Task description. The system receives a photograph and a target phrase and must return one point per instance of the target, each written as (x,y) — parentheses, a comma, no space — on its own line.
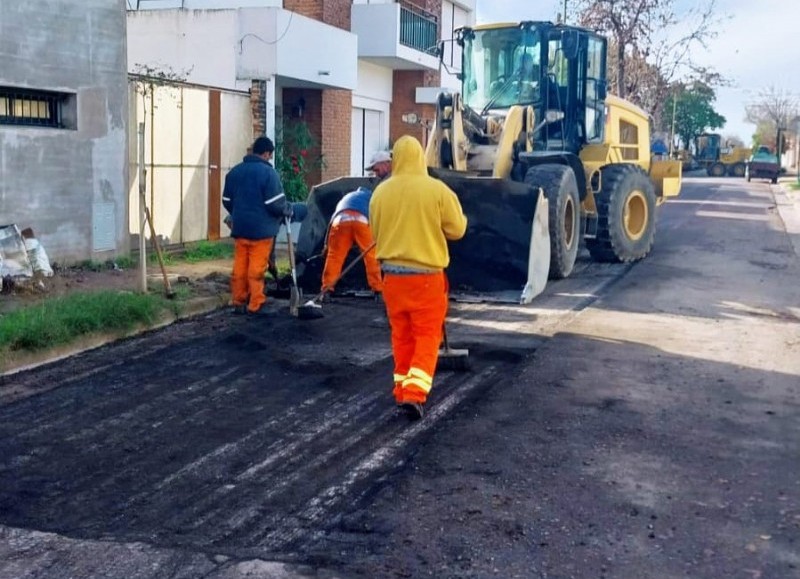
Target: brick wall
(333,12)
(258,107)
(337,114)
(404,97)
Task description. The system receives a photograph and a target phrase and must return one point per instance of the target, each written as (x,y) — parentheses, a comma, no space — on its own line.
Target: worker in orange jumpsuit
(350,224)
(412,217)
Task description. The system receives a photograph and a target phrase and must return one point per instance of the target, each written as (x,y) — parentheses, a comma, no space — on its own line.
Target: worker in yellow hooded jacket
(412,217)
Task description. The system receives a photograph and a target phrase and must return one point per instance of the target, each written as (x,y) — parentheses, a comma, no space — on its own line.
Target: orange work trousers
(250,260)
(344,232)
(416,305)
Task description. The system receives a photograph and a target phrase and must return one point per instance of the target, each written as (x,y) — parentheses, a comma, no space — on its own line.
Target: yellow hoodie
(413,215)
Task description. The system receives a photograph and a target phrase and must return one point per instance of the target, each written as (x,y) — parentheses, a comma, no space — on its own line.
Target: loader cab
(707,147)
(552,68)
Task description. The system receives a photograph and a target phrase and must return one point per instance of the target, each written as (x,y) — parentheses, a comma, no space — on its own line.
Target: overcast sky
(758,46)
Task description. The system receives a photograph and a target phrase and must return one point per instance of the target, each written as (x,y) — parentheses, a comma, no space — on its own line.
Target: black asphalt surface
(634,421)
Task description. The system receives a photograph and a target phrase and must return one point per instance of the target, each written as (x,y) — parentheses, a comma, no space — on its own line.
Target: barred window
(31,107)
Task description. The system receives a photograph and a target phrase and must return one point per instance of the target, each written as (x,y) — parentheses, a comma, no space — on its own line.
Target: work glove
(299,211)
(228,221)
(288,210)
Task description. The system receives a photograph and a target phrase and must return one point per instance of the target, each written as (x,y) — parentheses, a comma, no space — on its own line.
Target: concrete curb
(787,202)
(28,361)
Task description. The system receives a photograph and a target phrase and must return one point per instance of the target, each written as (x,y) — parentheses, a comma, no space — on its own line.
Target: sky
(758,46)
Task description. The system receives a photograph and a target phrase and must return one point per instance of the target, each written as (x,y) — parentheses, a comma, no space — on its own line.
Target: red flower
(303,153)
(296,170)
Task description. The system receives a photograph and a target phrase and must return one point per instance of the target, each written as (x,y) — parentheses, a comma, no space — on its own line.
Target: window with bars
(38,108)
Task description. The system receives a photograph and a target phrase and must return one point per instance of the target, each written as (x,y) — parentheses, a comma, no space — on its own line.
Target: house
(356,74)
(63,125)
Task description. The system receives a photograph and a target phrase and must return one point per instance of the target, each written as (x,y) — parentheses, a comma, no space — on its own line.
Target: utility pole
(565,11)
(672,132)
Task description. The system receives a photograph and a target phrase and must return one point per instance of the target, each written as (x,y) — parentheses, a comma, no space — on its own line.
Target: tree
(773,109)
(650,45)
(694,110)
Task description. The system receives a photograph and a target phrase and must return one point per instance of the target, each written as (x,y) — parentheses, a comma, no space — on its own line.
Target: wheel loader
(540,156)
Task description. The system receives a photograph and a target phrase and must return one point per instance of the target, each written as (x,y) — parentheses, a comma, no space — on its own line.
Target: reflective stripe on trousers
(416,305)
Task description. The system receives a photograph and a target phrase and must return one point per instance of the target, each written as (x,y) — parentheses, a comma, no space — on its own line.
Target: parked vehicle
(763,165)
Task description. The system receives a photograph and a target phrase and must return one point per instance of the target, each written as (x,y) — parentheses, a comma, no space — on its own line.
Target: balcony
(397,36)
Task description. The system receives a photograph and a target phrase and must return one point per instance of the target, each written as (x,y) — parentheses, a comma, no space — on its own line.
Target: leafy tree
(694,110)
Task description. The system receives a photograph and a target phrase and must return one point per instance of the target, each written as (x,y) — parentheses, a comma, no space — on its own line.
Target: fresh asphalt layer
(634,421)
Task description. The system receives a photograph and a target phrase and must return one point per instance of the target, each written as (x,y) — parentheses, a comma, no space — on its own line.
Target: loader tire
(561,189)
(626,211)
(716,170)
(737,170)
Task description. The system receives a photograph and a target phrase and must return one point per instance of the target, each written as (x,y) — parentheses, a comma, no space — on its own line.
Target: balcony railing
(418,29)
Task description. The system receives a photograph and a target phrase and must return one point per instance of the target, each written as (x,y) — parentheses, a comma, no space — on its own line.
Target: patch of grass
(208,250)
(61,320)
(152,258)
(126,262)
(794,186)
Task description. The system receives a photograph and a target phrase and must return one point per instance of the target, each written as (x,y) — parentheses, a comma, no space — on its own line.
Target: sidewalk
(787,201)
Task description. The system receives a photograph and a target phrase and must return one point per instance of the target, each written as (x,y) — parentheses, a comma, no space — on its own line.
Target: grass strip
(61,320)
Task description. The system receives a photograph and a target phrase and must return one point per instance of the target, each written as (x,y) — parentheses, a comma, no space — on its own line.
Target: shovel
(312,310)
(294,294)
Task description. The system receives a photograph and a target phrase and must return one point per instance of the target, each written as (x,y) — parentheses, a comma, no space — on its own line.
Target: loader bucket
(507,244)
(506,247)
(666,176)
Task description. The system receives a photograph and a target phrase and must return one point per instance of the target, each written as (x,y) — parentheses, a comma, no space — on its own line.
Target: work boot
(414,410)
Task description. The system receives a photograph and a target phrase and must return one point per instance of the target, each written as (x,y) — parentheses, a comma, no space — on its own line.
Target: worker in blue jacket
(254,198)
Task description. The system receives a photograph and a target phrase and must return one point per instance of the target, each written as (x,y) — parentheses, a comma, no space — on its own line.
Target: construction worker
(350,224)
(254,198)
(380,165)
(412,217)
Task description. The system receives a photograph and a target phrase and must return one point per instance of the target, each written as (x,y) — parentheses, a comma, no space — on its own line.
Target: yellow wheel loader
(540,157)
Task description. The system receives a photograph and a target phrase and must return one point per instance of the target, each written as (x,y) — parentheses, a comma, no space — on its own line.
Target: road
(635,421)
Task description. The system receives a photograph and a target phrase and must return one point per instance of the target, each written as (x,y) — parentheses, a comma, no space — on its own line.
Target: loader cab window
(595,74)
(501,67)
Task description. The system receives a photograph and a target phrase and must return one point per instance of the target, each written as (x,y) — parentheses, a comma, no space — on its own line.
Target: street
(635,421)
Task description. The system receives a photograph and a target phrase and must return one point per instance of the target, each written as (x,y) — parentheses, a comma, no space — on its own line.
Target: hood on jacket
(408,158)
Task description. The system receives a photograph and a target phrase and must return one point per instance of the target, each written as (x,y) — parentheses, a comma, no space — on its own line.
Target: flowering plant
(296,155)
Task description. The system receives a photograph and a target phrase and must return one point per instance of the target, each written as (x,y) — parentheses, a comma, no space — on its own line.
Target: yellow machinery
(717,160)
(540,157)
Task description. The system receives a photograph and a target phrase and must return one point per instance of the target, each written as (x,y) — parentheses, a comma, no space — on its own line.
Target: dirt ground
(204,278)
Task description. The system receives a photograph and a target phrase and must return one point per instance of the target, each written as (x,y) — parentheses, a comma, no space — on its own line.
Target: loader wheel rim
(569,222)
(635,215)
